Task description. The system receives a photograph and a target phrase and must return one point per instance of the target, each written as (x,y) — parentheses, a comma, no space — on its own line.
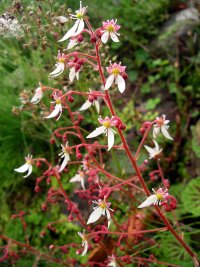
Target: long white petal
(80,27)
(109,81)
(156,149)
(85,249)
(60,68)
(97,132)
(111,138)
(29,171)
(54,113)
(95,215)
(104,37)
(149,201)
(114,37)
(71,44)
(108,217)
(72,74)
(121,83)
(64,163)
(76,178)
(156,131)
(165,132)
(70,32)
(96,102)
(23,168)
(37,97)
(83,183)
(150,150)
(86,105)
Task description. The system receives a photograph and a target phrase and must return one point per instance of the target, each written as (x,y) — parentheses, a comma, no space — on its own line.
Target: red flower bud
(93,39)
(70,98)
(80,38)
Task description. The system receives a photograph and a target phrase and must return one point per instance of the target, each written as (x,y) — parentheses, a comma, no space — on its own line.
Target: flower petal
(83,183)
(80,27)
(70,32)
(86,105)
(96,102)
(59,69)
(149,201)
(150,150)
(104,37)
(165,132)
(95,215)
(55,112)
(30,169)
(72,43)
(114,37)
(111,138)
(76,178)
(85,249)
(97,132)
(109,81)
(64,163)
(121,83)
(37,96)
(108,217)
(72,74)
(23,168)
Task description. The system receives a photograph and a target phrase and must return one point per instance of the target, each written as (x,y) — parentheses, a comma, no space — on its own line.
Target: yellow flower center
(115,71)
(58,102)
(159,196)
(79,15)
(103,205)
(106,124)
(61,60)
(28,161)
(110,28)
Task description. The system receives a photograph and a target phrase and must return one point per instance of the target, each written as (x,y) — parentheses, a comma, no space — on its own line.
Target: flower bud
(37,189)
(93,39)
(80,38)
(79,156)
(122,127)
(70,98)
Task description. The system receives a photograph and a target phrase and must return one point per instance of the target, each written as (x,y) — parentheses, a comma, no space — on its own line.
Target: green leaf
(191,197)
(152,103)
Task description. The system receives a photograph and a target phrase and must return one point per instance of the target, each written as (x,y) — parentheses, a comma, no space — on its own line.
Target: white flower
(102,208)
(116,72)
(57,109)
(84,243)
(106,129)
(65,155)
(26,167)
(112,261)
(79,177)
(60,66)
(155,199)
(153,152)
(92,100)
(79,24)
(37,96)
(110,28)
(161,126)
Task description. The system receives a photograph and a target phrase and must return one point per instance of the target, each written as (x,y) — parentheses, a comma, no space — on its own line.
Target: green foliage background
(163,78)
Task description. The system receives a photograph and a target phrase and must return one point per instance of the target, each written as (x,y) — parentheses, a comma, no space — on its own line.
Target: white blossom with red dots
(37,95)
(78,25)
(154,152)
(106,129)
(27,167)
(84,243)
(110,29)
(155,199)
(60,66)
(57,111)
(116,72)
(79,177)
(103,208)
(65,156)
(161,126)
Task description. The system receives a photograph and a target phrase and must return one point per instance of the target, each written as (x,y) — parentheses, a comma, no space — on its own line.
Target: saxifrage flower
(116,72)
(27,167)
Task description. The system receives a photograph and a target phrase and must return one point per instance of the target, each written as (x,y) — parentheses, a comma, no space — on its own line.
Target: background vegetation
(162,59)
